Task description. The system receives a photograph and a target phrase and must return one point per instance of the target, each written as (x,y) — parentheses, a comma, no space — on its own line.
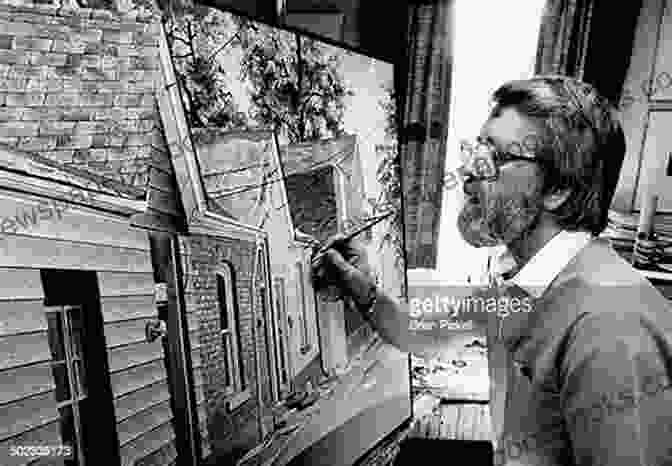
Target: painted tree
(295,84)
(198,36)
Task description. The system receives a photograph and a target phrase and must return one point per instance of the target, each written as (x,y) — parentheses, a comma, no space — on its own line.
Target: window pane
(80,374)
(67,425)
(221,291)
(279,313)
(303,321)
(55,335)
(225,358)
(77,329)
(60,372)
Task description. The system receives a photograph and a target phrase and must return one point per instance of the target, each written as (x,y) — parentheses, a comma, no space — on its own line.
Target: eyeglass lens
(478,160)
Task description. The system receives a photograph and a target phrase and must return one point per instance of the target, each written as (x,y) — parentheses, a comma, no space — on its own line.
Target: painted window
(281,325)
(66,335)
(304,301)
(234,380)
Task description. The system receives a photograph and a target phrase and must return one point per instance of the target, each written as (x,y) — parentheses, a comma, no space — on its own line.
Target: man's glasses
(481,161)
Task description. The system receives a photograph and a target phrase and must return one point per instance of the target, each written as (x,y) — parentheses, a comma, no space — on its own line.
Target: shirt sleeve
(608,413)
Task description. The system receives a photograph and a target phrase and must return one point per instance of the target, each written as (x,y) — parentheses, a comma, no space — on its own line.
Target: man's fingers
(337,259)
(336,241)
(326,260)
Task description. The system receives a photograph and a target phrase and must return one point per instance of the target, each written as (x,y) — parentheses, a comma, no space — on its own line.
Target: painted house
(102,188)
(325,190)
(81,95)
(220,292)
(79,127)
(298,194)
(243,173)
(77,293)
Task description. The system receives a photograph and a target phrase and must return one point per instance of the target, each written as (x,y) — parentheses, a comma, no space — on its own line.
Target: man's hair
(581,144)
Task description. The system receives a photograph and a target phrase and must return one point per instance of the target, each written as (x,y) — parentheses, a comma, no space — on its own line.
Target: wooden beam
(176,348)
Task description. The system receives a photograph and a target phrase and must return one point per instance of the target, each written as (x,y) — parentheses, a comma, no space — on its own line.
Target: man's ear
(554,200)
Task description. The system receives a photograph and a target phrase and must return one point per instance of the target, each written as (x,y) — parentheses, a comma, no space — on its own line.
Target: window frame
(76,384)
(284,341)
(238,390)
(305,344)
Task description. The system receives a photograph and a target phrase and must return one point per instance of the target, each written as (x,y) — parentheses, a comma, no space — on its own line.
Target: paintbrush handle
(321,249)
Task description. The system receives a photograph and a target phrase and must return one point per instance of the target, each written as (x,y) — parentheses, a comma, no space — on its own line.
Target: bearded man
(584,376)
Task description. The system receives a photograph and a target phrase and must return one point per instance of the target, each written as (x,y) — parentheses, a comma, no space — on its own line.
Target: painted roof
(301,158)
(34,164)
(310,170)
(240,172)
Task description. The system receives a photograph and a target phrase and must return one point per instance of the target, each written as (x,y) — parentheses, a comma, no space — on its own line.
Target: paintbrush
(329,291)
(320,248)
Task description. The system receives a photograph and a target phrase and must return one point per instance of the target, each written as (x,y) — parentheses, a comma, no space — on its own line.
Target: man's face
(502,211)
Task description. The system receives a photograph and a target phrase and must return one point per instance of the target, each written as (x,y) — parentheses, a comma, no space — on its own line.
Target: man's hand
(340,268)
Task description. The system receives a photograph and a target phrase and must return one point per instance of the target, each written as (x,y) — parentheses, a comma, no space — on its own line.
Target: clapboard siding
(45,435)
(70,223)
(22,316)
(165,455)
(27,413)
(146,444)
(137,377)
(20,283)
(26,251)
(128,405)
(121,308)
(138,373)
(125,284)
(132,379)
(25,381)
(144,421)
(133,355)
(125,332)
(17,350)
(129,332)
(81,239)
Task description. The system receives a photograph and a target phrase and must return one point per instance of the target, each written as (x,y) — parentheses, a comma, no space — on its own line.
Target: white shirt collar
(536,276)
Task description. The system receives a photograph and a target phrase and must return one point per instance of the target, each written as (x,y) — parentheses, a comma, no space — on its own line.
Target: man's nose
(469,180)
(470,187)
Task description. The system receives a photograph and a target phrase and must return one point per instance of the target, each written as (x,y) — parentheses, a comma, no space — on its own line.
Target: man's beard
(495,218)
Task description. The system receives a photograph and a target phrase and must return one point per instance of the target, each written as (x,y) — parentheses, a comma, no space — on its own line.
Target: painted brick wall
(76,85)
(229,434)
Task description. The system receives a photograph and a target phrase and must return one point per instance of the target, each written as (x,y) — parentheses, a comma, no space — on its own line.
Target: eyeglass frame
(498,158)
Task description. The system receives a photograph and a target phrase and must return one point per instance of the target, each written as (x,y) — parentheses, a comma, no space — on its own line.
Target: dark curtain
(590,40)
(423,84)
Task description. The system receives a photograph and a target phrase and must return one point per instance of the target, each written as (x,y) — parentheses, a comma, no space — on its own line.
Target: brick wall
(76,85)
(229,434)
